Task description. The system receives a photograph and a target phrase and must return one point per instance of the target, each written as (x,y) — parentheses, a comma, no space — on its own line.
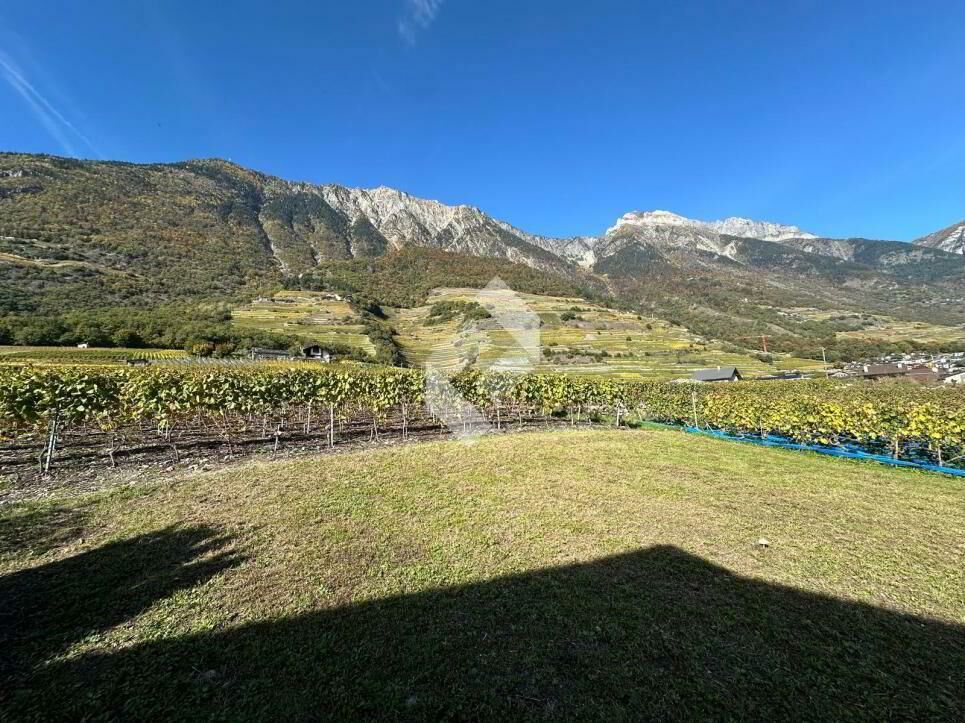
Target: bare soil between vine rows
(82,464)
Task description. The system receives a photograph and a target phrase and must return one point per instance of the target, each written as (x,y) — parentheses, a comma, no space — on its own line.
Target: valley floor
(567,574)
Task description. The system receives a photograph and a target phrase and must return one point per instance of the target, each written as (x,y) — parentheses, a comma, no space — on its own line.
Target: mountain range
(87,233)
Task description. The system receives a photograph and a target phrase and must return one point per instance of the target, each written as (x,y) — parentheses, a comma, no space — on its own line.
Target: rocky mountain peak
(732,226)
(652,218)
(951,239)
(748,228)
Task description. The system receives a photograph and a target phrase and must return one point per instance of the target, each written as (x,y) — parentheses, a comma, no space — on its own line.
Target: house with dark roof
(916,373)
(720,374)
(878,371)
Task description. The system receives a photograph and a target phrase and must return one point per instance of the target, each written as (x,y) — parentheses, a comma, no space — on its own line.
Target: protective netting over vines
(124,407)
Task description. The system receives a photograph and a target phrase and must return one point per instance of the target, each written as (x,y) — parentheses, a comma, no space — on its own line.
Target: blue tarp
(851,451)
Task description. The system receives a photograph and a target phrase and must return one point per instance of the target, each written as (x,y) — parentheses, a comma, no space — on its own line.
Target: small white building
(955,379)
(317,352)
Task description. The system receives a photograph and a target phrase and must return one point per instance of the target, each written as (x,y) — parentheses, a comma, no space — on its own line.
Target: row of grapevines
(231,401)
(900,417)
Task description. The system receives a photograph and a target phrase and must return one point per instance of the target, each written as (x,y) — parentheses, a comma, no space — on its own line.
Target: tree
(200,347)
(39,332)
(125,337)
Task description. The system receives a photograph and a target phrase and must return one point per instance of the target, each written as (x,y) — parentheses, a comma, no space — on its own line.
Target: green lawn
(558,575)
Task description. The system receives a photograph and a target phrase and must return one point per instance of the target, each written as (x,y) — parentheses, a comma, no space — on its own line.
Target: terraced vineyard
(575,337)
(73,355)
(316,317)
(878,327)
(897,330)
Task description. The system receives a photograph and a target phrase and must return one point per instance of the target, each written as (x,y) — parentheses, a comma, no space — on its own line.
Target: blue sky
(845,118)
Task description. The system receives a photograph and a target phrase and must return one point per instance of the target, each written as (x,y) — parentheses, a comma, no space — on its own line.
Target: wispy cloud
(59,127)
(417,15)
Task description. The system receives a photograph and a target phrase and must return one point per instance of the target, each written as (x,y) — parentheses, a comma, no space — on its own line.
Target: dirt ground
(83,465)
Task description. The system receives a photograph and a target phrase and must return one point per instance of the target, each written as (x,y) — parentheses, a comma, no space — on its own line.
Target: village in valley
(918,368)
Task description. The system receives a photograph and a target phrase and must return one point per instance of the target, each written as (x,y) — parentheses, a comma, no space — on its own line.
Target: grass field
(584,574)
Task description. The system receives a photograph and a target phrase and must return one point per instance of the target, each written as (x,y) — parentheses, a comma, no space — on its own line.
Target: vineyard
(102,413)
(93,356)
(575,337)
(313,317)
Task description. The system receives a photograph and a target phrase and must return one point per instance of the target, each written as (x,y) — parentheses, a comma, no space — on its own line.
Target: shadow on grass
(654,633)
(44,609)
(40,529)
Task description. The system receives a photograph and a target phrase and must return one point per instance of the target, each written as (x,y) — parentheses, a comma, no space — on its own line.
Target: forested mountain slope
(87,235)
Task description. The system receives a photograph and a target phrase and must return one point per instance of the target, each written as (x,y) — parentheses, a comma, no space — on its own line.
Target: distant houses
(914,366)
(317,352)
(918,370)
(915,373)
(720,374)
(947,368)
(880,371)
(312,352)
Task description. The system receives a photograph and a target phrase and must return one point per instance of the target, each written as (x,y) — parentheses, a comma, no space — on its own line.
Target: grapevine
(163,405)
